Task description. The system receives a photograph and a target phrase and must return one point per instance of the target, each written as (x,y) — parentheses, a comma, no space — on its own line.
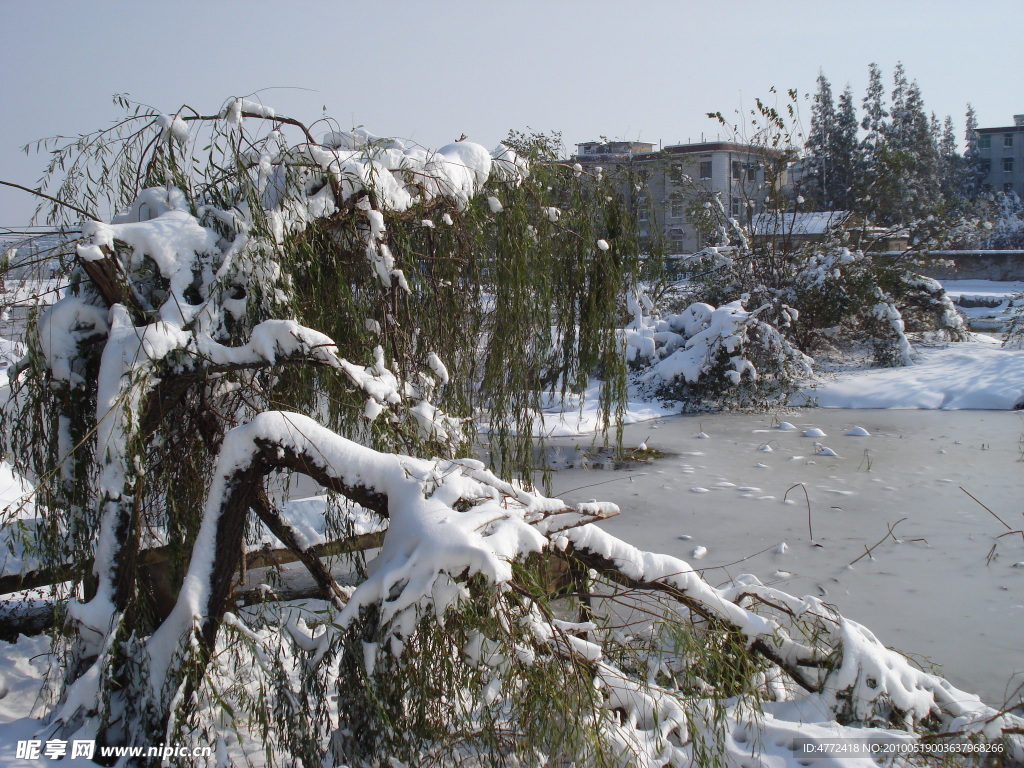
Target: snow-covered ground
(978,374)
(579,415)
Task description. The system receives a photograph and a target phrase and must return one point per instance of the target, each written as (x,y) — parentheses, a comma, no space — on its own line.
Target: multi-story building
(1001,151)
(678,177)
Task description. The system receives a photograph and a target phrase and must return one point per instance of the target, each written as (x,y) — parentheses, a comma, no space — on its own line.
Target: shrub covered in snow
(817,295)
(706,357)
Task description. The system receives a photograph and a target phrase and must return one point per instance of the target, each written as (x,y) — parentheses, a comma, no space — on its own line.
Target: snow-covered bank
(580,415)
(987,304)
(978,374)
(989,289)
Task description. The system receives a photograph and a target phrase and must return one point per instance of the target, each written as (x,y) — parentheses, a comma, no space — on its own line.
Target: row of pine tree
(893,164)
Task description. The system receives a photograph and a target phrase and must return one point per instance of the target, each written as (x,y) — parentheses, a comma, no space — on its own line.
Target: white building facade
(679,177)
(1001,151)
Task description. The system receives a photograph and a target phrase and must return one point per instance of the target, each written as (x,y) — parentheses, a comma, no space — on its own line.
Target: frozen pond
(940,593)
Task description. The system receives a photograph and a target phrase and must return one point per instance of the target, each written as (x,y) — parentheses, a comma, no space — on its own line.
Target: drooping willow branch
(70,206)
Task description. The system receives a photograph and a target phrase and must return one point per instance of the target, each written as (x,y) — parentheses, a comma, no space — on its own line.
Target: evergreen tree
(818,180)
(872,145)
(907,163)
(899,121)
(971,175)
(874,106)
(951,165)
(846,154)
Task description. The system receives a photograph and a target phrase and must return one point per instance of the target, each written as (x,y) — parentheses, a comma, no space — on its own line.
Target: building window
(737,207)
(1007,139)
(677,208)
(984,142)
(1008,187)
(752,170)
(986,167)
(737,170)
(675,237)
(1007,165)
(705,169)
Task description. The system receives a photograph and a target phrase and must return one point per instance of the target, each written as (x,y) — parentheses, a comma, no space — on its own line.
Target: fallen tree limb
(261,558)
(26,617)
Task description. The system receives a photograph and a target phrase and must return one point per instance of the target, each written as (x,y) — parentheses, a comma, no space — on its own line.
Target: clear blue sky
(431,71)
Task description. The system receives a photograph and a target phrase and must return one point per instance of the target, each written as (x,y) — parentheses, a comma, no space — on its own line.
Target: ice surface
(931,594)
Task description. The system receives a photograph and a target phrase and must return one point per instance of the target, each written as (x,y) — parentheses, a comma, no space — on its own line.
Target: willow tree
(271,303)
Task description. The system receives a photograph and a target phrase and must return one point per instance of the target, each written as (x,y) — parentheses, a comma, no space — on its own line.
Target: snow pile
(988,305)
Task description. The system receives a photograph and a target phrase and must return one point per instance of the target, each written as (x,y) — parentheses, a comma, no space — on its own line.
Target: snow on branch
(429,542)
(840,660)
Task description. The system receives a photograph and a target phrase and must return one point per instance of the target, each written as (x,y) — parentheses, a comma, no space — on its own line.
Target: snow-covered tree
(875,113)
(267,302)
(951,164)
(1007,231)
(803,277)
